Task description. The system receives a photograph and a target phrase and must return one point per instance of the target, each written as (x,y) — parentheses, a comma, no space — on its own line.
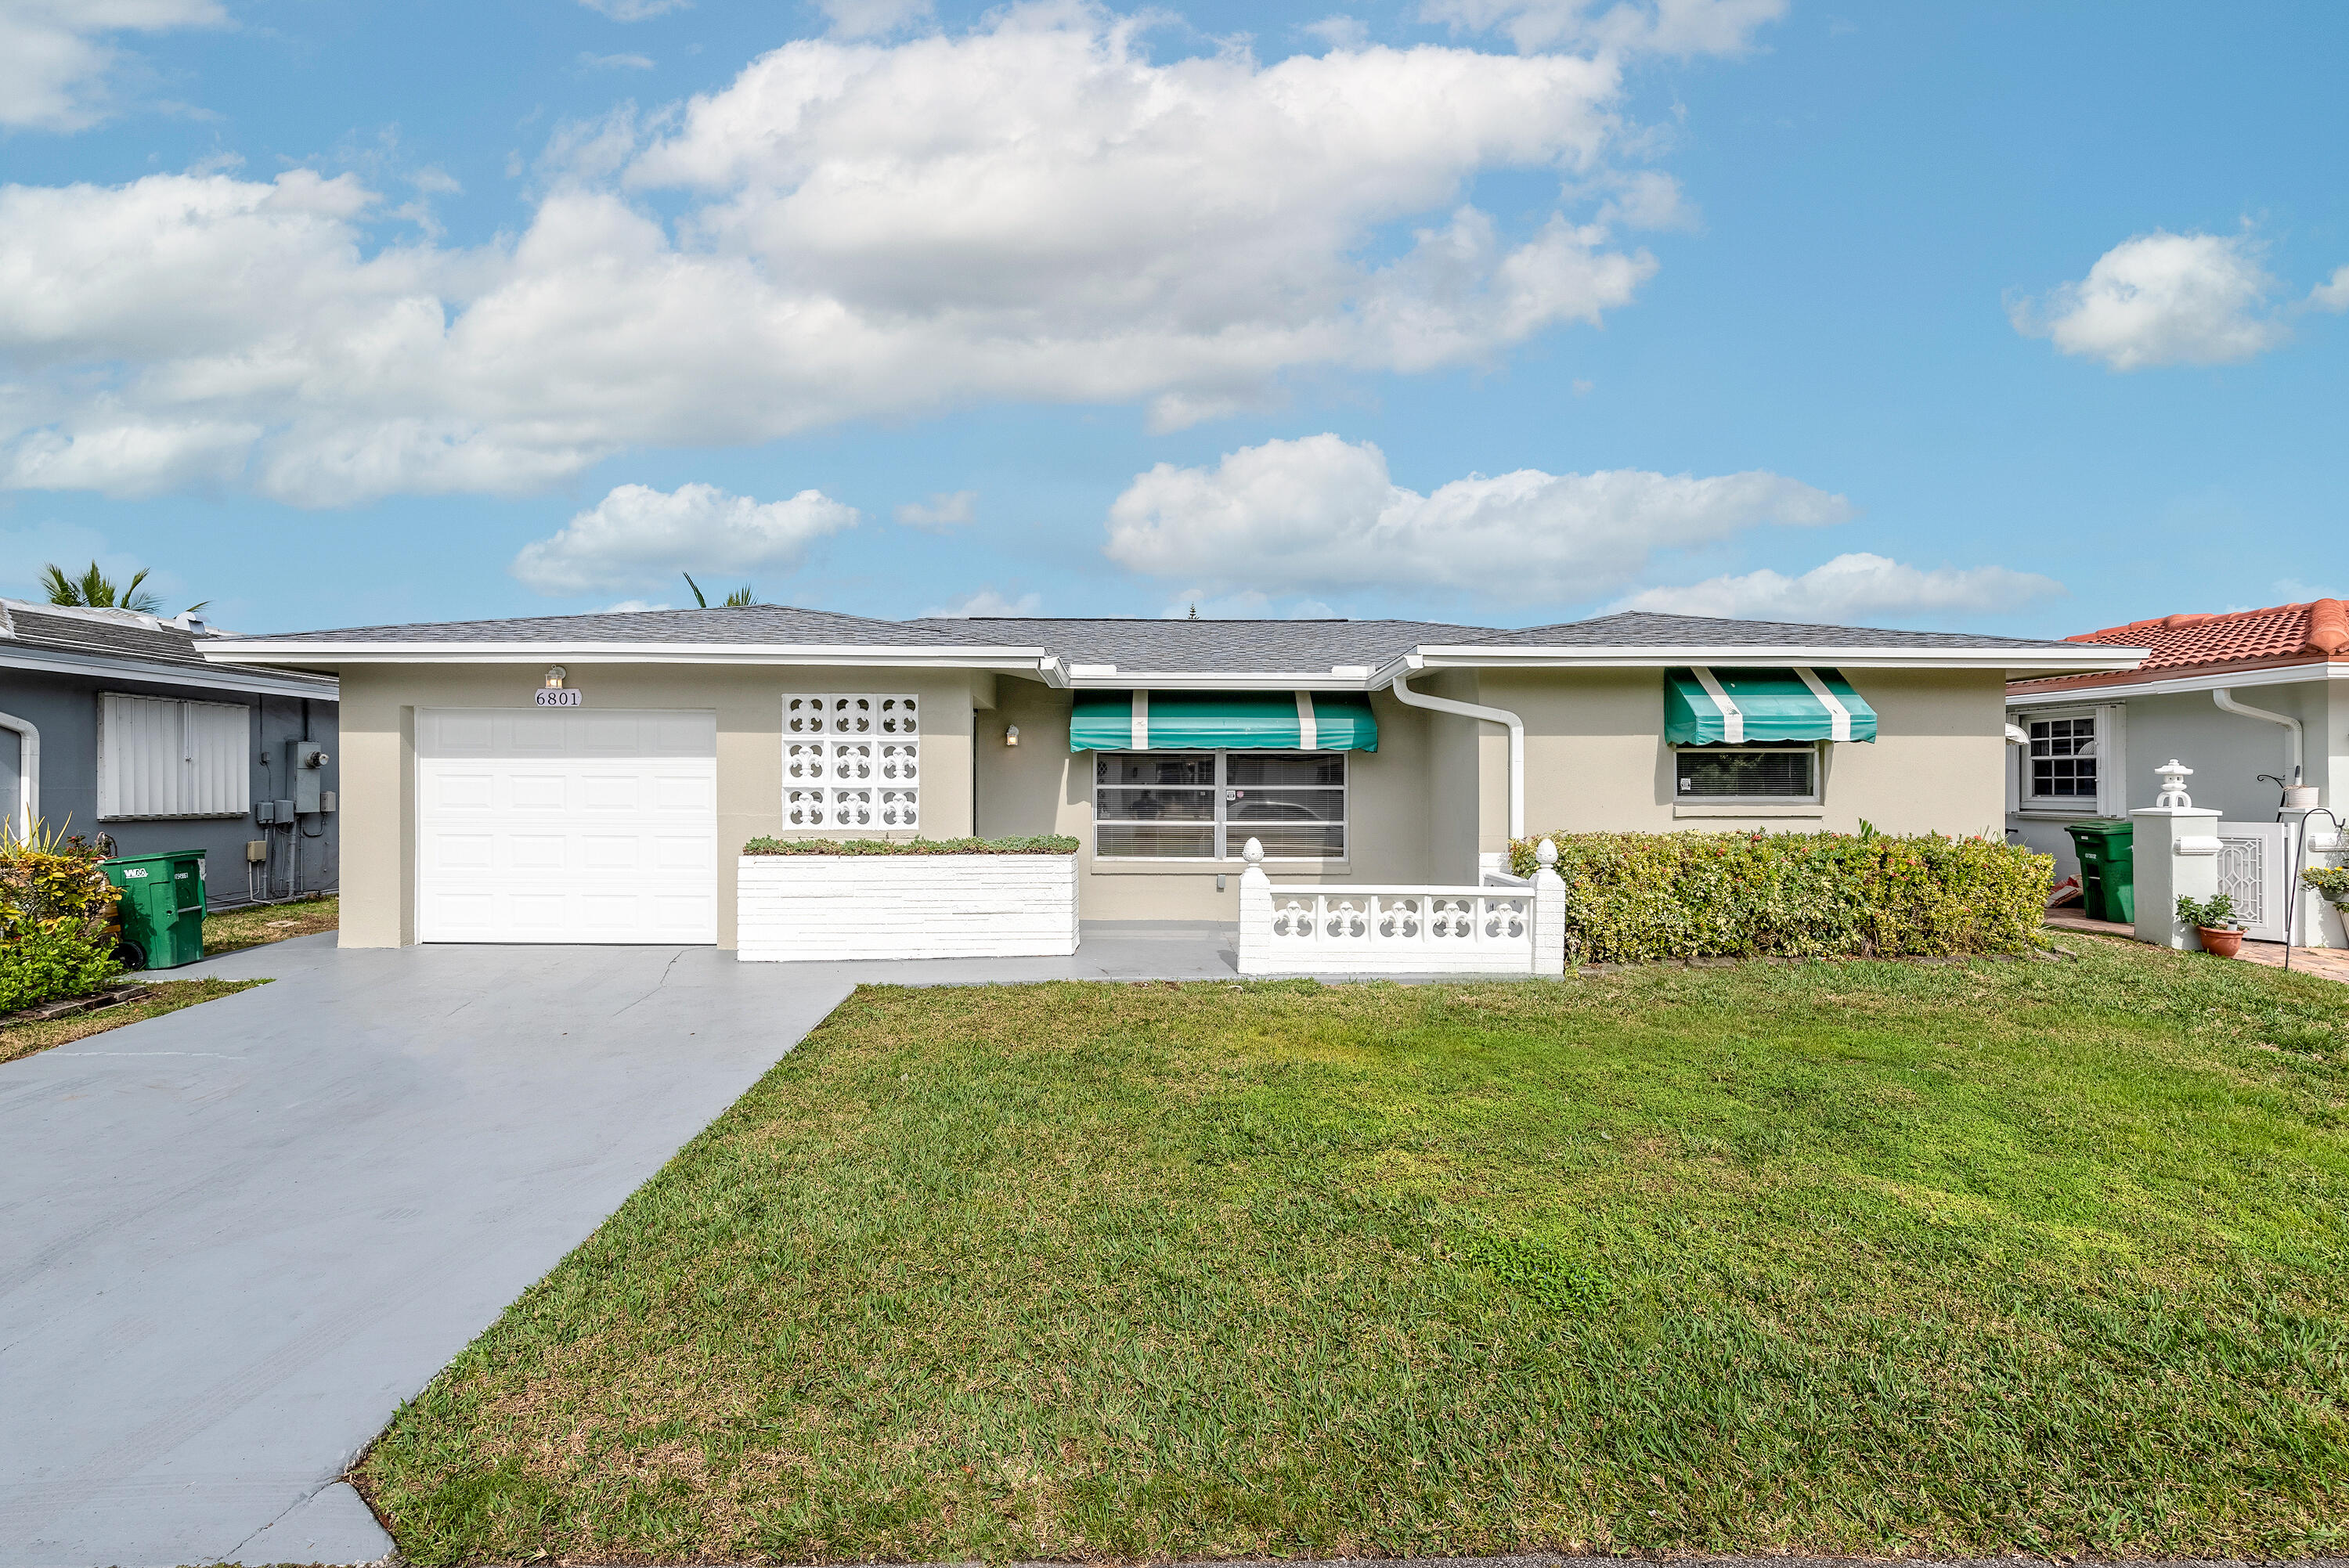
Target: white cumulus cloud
(1036,209)
(2162,299)
(988,601)
(55,57)
(940,513)
(1853,588)
(1663,27)
(2333,295)
(639,536)
(1321,514)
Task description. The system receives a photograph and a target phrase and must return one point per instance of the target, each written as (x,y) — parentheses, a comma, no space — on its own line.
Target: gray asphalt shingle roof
(1635,629)
(1149,645)
(128,637)
(1173,646)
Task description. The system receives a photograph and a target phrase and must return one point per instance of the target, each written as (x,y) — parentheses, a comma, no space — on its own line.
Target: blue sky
(2021,319)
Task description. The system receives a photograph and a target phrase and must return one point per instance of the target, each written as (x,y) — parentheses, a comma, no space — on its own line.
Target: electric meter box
(306,768)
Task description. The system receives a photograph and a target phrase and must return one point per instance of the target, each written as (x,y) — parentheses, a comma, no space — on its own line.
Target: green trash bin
(2107,849)
(163,908)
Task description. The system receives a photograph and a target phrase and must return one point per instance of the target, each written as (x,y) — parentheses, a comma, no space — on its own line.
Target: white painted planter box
(822,908)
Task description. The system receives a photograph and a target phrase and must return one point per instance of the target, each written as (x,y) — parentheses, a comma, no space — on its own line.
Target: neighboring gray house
(112,722)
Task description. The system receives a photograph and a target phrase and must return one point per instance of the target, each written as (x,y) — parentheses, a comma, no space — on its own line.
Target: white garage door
(566,825)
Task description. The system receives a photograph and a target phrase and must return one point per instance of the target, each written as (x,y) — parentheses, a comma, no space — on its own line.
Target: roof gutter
(2225,700)
(1404,694)
(2017,663)
(290,651)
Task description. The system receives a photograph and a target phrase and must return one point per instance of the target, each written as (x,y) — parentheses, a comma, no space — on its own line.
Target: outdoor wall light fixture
(554,678)
(1010,735)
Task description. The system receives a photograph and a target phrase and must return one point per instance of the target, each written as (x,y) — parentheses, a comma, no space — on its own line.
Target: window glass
(1249,769)
(1712,772)
(1141,842)
(1155,805)
(1154,767)
(1205,805)
(2064,758)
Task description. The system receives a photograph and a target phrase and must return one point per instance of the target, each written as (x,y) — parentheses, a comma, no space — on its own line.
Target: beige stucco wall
(1040,787)
(378,758)
(1596,759)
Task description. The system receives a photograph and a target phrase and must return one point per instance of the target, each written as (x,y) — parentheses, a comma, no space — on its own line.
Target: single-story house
(114,722)
(591,777)
(2245,698)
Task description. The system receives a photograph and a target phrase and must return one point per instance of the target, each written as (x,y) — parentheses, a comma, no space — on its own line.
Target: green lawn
(226,931)
(1848,1257)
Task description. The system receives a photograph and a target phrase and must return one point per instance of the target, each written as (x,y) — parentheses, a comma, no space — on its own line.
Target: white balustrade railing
(1358,930)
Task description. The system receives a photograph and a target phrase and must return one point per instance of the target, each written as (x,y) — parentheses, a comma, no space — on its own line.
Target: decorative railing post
(1549,913)
(1255,954)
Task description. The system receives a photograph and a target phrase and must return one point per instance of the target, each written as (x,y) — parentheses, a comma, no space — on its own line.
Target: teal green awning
(1705,706)
(1223,721)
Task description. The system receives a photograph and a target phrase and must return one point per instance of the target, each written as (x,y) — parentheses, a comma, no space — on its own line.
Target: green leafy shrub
(57,911)
(1049,844)
(2214,913)
(1635,898)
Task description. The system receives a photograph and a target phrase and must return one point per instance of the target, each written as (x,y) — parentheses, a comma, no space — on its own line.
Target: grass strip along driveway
(1842,1257)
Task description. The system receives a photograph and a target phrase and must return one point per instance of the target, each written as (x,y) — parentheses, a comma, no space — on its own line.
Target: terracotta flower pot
(2219,944)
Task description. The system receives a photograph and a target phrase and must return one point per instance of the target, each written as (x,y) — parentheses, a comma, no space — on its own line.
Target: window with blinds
(162,757)
(1788,773)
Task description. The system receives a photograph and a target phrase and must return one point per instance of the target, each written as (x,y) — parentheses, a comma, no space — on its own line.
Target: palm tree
(734,601)
(92,590)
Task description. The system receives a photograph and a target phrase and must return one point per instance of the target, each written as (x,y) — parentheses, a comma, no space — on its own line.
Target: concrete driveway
(235,1238)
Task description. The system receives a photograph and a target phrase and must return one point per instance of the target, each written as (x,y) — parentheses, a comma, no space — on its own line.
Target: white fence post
(1549,914)
(1256,914)
(2176,848)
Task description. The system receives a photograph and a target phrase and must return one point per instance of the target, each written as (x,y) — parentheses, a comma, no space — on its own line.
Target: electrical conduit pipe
(1404,694)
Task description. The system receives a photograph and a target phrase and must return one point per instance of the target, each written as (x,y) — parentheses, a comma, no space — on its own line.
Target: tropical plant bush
(1635,898)
(1049,844)
(57,911)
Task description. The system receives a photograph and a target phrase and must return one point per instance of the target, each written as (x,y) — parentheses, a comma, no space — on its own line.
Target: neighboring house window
(852,761)
(1207,805)
(161,756)
(2063,761)
(1746,773)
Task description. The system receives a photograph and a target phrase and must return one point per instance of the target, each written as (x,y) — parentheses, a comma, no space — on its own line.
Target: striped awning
(1222,721)
(1706,706)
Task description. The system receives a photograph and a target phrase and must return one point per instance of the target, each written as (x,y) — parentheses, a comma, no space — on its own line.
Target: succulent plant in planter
(2213,920)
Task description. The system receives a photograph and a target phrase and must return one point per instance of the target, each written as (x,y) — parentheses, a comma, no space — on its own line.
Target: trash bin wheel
(133,955)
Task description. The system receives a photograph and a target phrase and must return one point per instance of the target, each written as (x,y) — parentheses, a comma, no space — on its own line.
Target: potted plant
(2213,920)
(2332,884)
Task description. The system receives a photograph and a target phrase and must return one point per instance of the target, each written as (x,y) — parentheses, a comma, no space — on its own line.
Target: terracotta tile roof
(2279,635)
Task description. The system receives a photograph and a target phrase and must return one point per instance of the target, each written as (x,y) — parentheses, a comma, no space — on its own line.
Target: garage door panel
(543,827)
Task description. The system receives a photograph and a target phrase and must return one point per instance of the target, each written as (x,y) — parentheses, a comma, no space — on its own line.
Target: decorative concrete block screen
(1355,930)
(811,908)
(852,761)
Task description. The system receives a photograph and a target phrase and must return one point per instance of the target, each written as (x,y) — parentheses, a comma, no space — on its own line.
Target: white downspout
(1404,694)
(2226,699)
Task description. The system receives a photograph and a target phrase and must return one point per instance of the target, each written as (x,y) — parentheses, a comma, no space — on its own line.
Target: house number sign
(565,698)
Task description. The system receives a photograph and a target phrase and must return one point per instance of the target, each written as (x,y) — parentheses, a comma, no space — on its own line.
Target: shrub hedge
(1639,897)
(55,913)
(1049,844)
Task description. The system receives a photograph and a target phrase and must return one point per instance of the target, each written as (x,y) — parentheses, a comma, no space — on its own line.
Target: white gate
(2254,863)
